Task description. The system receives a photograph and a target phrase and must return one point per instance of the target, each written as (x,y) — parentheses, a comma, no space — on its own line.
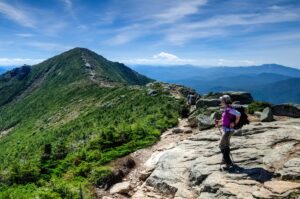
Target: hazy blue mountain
(238,82)
(168,73)
(171,73)
(265,82)
(4,69)
(278,92)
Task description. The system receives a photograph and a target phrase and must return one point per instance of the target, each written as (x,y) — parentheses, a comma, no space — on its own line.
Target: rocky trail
(145,161)
(185,163)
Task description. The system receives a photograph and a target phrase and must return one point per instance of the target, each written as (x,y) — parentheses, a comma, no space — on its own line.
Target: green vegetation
(257,106)
(59,130)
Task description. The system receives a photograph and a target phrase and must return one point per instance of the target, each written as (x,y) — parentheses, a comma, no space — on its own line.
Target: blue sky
(156,32)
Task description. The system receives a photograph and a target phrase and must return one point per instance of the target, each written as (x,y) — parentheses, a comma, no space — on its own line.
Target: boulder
(192,122)
(291,110)
(216,116)
(267,115)
(177,130)
(241,97)
(128,163)
(238,97)
(258,114)
(151,92)
(205,122)
(117,175)
(185,91)
(207,103)
(122,187)
(163,187)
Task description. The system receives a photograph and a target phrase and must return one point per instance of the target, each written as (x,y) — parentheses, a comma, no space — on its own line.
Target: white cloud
(180,10)
(219,25)
(231,62)
(173,23)
(122,38)
(16,14)
(168,59)
(148,21)
(275,7)
(167,56)
(161,58)
(19,61)
(126,34)
(25,35)
(68,4)
(49,46)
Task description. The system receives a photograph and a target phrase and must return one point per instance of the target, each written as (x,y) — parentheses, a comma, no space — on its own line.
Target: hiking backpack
(243,119)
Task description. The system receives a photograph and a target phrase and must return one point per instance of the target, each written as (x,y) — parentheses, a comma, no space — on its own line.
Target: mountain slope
(278,92)
(2,70)
(239,82)
(63,120)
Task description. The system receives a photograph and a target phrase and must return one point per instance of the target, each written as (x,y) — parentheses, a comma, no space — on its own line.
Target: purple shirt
(228,115)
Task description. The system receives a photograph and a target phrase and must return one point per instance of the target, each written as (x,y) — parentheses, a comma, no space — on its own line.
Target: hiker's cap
(226,99)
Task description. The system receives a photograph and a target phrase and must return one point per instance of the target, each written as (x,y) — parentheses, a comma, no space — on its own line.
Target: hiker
(191,99)
(230,118)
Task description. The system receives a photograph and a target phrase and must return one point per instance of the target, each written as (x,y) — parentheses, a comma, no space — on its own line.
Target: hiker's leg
(227,150)
(225,147)
(225,140)
(228,160)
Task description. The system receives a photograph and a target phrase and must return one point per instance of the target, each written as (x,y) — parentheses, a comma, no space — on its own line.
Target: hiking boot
(226,156)
(228,167)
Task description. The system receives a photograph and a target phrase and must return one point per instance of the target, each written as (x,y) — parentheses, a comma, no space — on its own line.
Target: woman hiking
(230,117)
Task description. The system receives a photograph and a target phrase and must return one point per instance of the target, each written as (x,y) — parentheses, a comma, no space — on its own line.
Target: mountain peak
(82,63)
(80,50)
(272,65)
(78,66)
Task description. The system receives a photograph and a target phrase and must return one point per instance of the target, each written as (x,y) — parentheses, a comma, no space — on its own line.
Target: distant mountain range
(269,82)
(3,69)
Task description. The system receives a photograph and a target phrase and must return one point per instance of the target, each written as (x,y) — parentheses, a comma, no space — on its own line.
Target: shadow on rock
(257,173)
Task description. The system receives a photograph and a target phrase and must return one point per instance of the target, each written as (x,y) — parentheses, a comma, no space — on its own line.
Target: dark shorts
(225,138)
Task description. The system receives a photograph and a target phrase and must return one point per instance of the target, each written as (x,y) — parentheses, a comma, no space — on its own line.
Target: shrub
(257,106)
(99,174)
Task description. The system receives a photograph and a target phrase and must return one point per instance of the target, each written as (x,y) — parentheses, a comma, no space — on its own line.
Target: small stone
(145,174)
(106,197)
(177,130)
(187,131)
(122,187)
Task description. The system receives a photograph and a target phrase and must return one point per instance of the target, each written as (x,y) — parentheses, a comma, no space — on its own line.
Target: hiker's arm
(237,117)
